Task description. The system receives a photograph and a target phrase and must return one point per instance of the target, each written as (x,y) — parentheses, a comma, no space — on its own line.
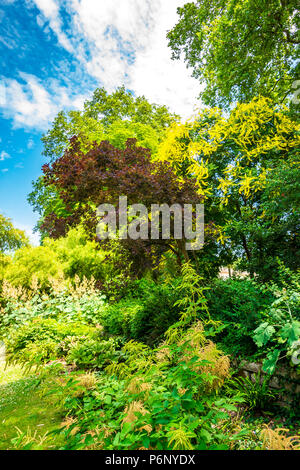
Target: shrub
(28,263)
(73,302)
(119,317)
(278,336)
(239,304)
(39,340)
(144,314)
(93,354)
(74,255)
(159,311)
(79,255)
(143,402)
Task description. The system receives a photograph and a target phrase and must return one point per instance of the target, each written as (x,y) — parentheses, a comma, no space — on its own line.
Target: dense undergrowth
(151,370)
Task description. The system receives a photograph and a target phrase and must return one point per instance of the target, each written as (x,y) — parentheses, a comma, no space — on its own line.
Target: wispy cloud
(113,42)
(4,156)
(50,12)
(30,143)
(33,104)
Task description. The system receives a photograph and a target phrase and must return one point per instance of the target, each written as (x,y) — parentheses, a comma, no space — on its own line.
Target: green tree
(239,48)
(115,117)
(102,175)
(11,238)
(246,165)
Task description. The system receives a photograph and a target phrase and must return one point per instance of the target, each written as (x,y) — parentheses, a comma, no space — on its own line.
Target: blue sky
(54,53)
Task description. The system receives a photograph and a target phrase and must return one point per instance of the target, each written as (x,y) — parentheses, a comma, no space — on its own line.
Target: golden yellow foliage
(215,366)
(132,410)
(84,382)
(255,128)
(138,385)
(276,439)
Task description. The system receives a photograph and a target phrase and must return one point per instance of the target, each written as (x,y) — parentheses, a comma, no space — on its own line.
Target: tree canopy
(114,117)
(11,238)
(246,166)
(85,180)
(239,49)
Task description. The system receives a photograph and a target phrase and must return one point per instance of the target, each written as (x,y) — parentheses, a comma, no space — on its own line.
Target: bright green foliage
(115,116)
(92,354)
(153,412)
(239,49)
(263,333)
(67,258)
(192,296)
(78,255)
(11,238)
(75,303)
(42,340)
(279,335)
(82,257)
(119,318)
(239,162)
(144,314)
(30,263)
(168,397)
(163,398)
(27,416)
(5,261)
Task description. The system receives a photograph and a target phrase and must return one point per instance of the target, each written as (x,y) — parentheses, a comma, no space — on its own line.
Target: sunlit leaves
(239,49)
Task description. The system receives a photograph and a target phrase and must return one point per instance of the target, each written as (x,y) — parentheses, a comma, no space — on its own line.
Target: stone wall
(285,377)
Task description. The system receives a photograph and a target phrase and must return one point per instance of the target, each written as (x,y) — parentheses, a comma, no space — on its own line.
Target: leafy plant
(239,304)
(256,393)
(281,330)
(40,340)
(92,353)
(145,313)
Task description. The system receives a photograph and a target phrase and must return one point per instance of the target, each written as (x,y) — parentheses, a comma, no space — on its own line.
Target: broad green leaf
(263,333)
(269,364)
(290,332)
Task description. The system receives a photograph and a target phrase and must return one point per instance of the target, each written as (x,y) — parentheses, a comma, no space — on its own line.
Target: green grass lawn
(27,414)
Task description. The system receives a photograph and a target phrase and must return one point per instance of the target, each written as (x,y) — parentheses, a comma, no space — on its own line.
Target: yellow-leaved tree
(239,161)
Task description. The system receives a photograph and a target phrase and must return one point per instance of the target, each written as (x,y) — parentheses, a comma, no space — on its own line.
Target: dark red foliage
(106,172)
(102,175)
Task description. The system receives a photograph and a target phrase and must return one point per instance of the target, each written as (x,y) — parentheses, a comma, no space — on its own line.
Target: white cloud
(30,104)
(4,156)
(116,42)
(30,144)
(2,92)
(50,11)
(118,27)
(159,78)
